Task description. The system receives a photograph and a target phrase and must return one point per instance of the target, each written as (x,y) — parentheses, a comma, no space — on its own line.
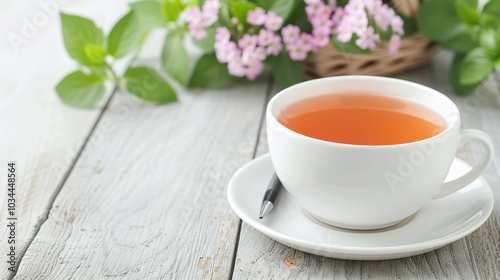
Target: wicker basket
(414,51)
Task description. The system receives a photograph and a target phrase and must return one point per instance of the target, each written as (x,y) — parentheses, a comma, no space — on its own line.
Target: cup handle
(467,135)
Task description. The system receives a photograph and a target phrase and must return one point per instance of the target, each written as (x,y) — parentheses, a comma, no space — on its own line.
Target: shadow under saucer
(390,227)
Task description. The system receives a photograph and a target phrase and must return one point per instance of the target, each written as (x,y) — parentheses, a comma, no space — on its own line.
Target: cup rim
(453,125)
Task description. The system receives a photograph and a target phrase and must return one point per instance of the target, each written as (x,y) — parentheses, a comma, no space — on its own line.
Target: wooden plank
(148,201)
(473,257)
(480,110)
(41,134)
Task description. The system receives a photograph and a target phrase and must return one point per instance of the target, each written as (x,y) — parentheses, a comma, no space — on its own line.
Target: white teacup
(362,186)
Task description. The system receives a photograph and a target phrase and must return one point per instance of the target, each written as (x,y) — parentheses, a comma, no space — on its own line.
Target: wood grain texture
(476,256)
(41,134)
(148,200)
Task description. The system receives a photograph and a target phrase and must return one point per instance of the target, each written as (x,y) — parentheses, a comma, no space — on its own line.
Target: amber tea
(362,119)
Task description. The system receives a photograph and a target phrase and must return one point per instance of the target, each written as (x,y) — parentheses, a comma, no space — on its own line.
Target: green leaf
(462,42)
(342,3)
(209,72)
(172,9)
(207,45)
(384,35)
(286,71)
(492,7)
(174,57)
(192,3)
(266,4)
(299,18)
(146,84)
(497,65)
(349,47)
(80,90)
(489,20)
(240,9)
(124,37)
(460,88)
(475,67)
(489,39)
(438,20)
(78,32)
(95,53)
(471,3)
(409,24)
(466,12)
(283,8)
(149,15)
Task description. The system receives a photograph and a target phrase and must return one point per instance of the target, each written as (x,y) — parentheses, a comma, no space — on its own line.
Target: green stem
(115,77)
(172,26)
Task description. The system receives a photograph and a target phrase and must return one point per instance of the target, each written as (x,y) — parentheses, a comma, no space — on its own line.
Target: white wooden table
(130,190)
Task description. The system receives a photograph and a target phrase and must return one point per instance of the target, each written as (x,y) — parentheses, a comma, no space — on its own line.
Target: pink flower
(250,55)
(254,69)
(209,19)
(397,25)
(394,43)
(225,52)
(344,31)
(296,51)
(368,40)
(359,23)
(210,12)
(260,53)
(198,19)
(322,40)
(307,41)
(312,10)
(337,16)
(222,34)
(275,47)
(273,21)
(248,41)
(324,10)
(265,37)
(245,57)
(321,26)
(374,6)
(211,6)
(355,7)
(257,16)
(236,68)
(382,19)
(290,33)
(197,31)
(194,15)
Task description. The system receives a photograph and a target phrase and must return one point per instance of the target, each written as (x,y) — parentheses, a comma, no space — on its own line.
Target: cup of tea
(363,152)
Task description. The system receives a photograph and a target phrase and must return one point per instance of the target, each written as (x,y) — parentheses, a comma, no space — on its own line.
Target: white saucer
(438,223)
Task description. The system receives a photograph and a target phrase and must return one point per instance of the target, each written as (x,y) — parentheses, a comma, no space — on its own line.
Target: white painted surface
(146,199)
(40,133)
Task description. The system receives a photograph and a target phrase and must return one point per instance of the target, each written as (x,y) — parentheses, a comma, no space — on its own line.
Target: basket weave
(414,51)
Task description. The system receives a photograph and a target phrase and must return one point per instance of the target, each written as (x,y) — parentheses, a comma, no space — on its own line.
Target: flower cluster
(353,19)
(246,49)
(246,56)
(198,19)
